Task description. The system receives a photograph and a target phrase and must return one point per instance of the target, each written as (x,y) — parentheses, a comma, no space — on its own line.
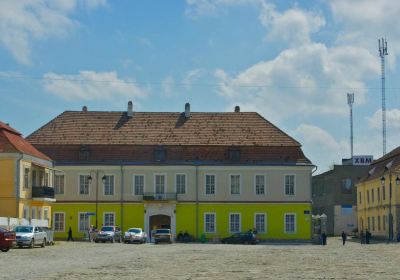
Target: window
(234,222)
(83,222)
(378,193)
(368,196)
(234,155)
(46,179)
(290,223)
(383,193)
(108,184)
(46,213)
(138,182)
(259,223)
(372,195)
(373,223)
(289,185)
(160,184)
(41,178)
(33,213)
(59,221)
(180,183)
(84,153)
(26,212)
(209,222)
(84,184)
(369,223)
(260,184)
(159,154)
(59,184)
(379,222)
(26,178)
(235,184)
(384,222)
(359,194)
(109,219)
(210,184)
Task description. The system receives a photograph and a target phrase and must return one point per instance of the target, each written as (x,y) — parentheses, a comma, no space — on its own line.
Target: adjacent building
(210,174)
(378,197)
(26,178)
(334,194)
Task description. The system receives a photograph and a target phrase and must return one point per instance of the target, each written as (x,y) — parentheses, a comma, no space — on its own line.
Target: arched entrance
(160,221)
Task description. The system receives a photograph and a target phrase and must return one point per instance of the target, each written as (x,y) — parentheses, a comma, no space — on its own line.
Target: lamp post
(90,178)
(390,217)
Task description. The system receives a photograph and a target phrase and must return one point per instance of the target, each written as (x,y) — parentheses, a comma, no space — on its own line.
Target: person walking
(362,240)
(70,235)
(367,236)
(323,238)
(344,237)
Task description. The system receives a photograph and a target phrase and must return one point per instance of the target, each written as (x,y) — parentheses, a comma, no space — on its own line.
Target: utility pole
(350,101)
(382,52)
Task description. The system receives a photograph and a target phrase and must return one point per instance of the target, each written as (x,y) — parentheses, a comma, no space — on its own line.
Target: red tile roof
(11,141)
(113,128)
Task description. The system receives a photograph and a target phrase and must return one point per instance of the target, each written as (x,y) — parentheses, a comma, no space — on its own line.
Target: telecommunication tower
(350,101)
(382,52)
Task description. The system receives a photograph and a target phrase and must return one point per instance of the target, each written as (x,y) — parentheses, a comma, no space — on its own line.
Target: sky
(291,61)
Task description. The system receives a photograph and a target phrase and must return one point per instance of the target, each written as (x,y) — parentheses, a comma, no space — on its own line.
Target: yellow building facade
(378,198)
(26,177)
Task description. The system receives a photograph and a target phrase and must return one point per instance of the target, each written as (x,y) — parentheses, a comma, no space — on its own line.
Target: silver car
(135,235)
(108,233)
(30,236)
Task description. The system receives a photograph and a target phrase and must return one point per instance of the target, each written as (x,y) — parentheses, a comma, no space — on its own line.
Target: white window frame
(87,219)
(205,184)
(205,222)
(26,177)
(104,218)
(26,211)
(230,222)
(54,222)
(295,223)
(294,184)
(155,183)
(255,184)
(134,186)
(63,183)
(113,185)
(230,184)
(79,184)
(265,222)
(33,212)
(176,182)
(46,212)
(46,179)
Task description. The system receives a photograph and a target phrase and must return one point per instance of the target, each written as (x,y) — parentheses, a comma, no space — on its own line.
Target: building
(26,178)
(334,194)
(205,173)
(378,197)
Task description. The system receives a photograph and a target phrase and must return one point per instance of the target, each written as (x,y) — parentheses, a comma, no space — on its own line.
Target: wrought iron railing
(159,196)
(42,192)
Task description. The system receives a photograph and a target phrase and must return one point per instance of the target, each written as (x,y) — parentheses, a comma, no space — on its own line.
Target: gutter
(122,198)
(197,202)
(17,184)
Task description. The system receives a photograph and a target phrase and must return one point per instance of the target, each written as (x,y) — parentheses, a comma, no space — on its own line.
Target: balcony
(42,192)
(160,196)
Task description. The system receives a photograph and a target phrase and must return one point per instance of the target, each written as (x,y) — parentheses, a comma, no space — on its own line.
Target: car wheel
(5,249)
(43,243)
(112,240)
(32,243)
(96,241)
(20,246)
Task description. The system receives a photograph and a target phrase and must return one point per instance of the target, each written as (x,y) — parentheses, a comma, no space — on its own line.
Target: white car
(135,235)
(30,236)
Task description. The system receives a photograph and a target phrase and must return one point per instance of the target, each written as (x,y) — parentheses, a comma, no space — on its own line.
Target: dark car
(7,239)
(240,238)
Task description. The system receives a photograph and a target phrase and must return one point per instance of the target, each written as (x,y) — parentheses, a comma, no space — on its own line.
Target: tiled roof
(11,141)
(391,161)
(145,128)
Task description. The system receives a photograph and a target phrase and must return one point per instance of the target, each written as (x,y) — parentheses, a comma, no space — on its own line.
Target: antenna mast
(350,101)
(382,52)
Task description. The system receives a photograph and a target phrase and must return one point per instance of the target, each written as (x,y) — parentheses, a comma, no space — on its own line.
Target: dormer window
(84,153)
(234,155)
(160,154)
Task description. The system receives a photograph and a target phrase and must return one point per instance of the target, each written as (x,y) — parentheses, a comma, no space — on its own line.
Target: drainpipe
(17,184)
(197,202)
(122,198)
(97,197)
(311,223)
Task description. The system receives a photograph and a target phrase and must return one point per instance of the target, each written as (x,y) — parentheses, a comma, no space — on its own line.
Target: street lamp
(390,217)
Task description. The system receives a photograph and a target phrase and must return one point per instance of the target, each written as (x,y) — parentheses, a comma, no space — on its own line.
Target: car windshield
(23,229)
(134,230)
(162,231)
(107,229)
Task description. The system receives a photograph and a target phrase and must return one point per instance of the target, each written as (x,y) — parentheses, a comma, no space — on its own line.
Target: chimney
(84,109)
(187,110)
(237,109)
(130,110)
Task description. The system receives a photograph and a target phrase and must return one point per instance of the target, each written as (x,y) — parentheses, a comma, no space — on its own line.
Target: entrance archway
(160,221)
(159,215)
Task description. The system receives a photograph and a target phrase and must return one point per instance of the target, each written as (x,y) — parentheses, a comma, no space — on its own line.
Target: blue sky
(291,61)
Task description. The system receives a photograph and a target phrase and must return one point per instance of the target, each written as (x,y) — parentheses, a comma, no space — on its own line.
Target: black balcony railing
(159,196)
(42,192)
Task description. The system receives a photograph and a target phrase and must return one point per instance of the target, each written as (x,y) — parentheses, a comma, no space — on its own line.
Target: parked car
(7,239)
(135,235)
(49,235)
(108,233)
(241,238)
(30,236)
(162,235)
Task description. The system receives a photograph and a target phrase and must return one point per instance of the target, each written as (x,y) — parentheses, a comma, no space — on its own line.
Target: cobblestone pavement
(79,260)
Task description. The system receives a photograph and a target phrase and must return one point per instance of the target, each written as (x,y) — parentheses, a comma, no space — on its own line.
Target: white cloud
(198,8)
(309,80)
(168,85)
(192,76)
(392,119)
(90,85)
(23,21)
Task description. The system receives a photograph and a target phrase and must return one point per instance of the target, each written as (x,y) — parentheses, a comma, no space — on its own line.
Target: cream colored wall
(274,182)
